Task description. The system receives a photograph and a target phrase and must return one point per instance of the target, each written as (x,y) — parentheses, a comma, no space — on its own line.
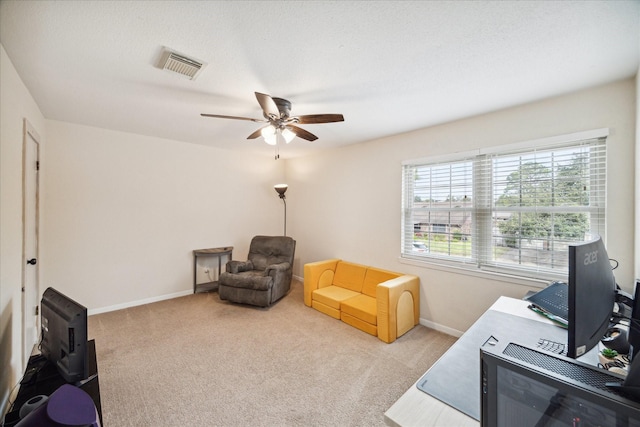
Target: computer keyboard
(553,299)
(557,299)
(552,346)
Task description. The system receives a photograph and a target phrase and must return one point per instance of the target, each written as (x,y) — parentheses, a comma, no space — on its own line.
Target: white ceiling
(387,66)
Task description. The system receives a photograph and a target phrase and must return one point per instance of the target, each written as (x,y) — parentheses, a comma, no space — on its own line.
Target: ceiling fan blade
(256,134)
(319,118)
(233,117)
(268,105)
(301,133)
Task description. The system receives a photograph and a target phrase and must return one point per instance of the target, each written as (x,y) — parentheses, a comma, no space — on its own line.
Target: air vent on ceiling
(181,64)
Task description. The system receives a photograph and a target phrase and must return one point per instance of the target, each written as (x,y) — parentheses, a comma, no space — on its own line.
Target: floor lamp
(281,189)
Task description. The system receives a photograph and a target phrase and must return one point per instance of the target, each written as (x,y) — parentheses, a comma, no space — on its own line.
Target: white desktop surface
(416,408)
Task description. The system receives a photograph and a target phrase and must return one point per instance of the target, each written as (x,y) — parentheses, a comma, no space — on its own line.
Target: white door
(30,261)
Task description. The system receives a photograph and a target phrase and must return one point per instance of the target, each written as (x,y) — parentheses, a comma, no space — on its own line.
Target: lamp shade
(281,189)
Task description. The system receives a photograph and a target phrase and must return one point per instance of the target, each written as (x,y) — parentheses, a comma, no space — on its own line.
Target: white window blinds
(512,209)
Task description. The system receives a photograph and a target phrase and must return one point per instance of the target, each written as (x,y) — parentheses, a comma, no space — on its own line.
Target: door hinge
(37,310)
(38,165)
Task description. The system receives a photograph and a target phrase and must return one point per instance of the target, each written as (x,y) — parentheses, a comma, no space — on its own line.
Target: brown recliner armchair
(265,277)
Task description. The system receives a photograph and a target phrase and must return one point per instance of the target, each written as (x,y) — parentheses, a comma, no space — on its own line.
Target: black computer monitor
(592,293)
(64,335)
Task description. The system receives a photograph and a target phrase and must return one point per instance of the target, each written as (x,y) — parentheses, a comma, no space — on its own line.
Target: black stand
(42,378)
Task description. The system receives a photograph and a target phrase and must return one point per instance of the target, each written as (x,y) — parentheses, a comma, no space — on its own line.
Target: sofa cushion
(362,307)
(332,296)
(375,276)
(326,278)
(322,308)
(360,324)
(349,276)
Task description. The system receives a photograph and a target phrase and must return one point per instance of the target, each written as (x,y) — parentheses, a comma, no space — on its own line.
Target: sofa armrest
(398,304)
(239,266)
(318,275)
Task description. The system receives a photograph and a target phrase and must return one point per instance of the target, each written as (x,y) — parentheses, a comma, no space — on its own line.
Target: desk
(211,252)
(49,380)
(416,407)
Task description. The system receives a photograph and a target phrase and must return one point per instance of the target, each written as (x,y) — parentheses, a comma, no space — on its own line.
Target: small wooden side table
(211,252)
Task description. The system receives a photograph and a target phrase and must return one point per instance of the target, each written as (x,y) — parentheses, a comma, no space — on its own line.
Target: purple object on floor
(68,406)
(71,406)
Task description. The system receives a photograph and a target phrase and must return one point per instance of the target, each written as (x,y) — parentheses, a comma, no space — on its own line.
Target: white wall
(345,203)
(120,213)
(124,212)
(16,104)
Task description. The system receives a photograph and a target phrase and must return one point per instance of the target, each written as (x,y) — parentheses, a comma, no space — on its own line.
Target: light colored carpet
(199,361)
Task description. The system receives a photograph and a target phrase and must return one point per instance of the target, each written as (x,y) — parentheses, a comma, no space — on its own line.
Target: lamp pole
(285,214)
(281,189)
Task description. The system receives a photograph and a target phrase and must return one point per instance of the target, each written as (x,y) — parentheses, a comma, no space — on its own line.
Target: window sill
(456,268)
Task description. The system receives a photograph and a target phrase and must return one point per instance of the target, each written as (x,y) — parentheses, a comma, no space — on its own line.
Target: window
(512,209)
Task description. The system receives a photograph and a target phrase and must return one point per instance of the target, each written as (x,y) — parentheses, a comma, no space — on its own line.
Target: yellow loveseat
(382,303)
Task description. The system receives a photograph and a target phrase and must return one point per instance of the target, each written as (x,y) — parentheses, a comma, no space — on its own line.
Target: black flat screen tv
(592,294)
(64,335)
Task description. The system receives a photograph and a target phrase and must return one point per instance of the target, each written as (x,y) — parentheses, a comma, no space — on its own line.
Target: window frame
(484,207)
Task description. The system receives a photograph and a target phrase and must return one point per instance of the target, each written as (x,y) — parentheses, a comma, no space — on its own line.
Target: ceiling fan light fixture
(269,134)
(268,131)
(288,135)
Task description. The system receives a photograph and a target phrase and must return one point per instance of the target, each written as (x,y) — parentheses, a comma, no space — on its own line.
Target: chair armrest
(235,267)
(283,266)
(398,304)
(280,275)
(318,275)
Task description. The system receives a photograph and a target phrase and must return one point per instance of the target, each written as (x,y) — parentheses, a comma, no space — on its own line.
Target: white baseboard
(149,300)
(438,327)
(139,302)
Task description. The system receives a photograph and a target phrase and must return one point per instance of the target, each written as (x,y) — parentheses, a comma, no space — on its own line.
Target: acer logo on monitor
(590,258)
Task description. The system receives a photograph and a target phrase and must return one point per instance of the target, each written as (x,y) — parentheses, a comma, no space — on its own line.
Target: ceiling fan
(277,113)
